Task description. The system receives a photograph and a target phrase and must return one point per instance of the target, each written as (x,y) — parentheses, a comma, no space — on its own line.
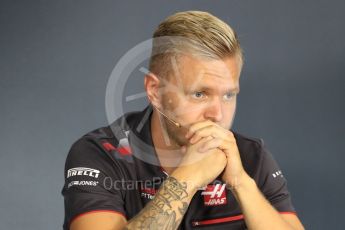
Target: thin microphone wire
(169,119)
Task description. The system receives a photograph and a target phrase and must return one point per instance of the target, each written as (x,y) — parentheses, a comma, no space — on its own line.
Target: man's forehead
(210,74)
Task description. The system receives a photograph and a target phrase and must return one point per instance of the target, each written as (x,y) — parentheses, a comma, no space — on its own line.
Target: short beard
(175,134)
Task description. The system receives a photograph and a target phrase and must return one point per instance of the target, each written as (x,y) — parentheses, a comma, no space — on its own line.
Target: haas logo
(214,195)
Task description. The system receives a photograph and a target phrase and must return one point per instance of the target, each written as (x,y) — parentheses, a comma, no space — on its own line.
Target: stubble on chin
(176,135)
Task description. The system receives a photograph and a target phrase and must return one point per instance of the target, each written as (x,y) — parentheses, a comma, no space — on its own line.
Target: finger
(211,144)
(197,135)
(215,131)
(197,126)
(202,141)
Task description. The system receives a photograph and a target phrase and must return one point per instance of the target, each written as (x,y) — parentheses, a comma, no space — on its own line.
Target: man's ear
(152,84)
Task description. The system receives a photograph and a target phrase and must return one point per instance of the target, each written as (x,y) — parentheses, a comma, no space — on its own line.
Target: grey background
(56,58)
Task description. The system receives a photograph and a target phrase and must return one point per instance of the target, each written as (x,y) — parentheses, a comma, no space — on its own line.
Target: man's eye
(229,96)
(198,95)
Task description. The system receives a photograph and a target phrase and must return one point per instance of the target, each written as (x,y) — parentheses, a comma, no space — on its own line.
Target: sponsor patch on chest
(214,195)
(148,193)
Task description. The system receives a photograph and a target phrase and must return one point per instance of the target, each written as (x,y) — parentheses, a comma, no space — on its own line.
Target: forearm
(258,213)
(166,210)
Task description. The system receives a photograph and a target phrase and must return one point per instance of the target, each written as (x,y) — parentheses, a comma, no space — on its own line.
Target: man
(177,164)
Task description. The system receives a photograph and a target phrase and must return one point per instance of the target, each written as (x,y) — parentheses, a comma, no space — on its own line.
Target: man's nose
(214,110)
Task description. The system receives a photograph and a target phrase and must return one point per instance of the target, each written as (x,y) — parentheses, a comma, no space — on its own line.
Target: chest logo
(82,171)
(148,193)
(214,195)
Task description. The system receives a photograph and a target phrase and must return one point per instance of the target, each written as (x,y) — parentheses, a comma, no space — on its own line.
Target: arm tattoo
(166,210)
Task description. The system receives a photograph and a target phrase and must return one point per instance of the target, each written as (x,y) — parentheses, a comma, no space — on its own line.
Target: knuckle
(190,130)
(197,132)
(214,129)
(229,134)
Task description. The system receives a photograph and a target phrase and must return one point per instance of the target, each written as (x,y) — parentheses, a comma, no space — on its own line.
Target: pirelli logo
(81,171)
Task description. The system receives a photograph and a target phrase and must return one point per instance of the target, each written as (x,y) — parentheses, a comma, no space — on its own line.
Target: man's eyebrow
(234,90)
(205,88)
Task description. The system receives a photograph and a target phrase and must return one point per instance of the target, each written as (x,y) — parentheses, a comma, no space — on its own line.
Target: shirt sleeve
(90,175)
(273,184)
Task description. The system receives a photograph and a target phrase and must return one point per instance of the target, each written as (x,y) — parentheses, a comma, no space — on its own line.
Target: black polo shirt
(116,169)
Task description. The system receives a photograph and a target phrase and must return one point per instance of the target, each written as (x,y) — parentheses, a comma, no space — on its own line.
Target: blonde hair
(192,32)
